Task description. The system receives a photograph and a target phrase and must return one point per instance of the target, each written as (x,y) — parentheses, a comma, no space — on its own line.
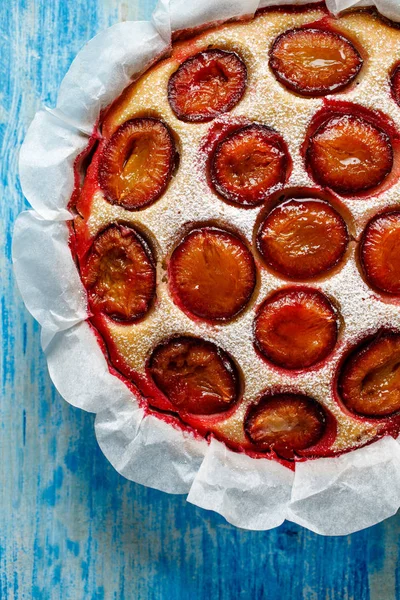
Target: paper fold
(353,491)
(331,496)
(149,451)
(46,274)
(92,386)
(105,66)
(249,493)
(47,156)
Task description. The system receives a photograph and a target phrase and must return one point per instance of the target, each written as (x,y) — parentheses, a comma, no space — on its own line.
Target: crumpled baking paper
(331,496)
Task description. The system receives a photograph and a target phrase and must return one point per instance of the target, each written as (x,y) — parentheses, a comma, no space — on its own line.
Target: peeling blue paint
(71,461)
(73,547)
(56,575)
(49,494)
(24,427)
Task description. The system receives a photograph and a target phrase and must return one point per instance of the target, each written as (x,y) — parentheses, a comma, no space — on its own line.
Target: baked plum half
(314,62)
(349,155)
(302,238)
(119,274)
(285,423)
(137,162)
(207,84)
(380,252)
(197,376)
(369,380)
(296,328)
(212,274)
(248,164)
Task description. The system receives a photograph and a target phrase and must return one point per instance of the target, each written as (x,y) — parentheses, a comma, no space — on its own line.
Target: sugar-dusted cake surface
(189,201)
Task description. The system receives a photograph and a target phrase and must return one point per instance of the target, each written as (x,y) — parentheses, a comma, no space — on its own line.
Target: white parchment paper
(333,496)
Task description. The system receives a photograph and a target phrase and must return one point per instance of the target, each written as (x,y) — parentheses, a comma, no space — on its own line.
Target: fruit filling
(395,83)
(207,84)
(369,381)
(380,252)
(349,155)
(197,376)
(137,163)
(303,238)
(248,164)
(212,274)
(119,274)
(313,62)
(296,328)
(285,422)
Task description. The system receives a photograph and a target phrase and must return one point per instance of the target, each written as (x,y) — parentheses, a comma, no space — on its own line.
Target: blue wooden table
(70,526)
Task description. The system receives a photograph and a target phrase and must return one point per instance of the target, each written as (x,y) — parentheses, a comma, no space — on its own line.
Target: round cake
(237,232)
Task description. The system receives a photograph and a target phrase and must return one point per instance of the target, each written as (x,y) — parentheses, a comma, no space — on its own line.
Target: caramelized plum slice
(119,274)
(395,83)
(380,252)
(349,155)
(207,84)
(285,422)
(137,162)
(296,328)
(369,381)
(196,376)
(302,238)
(313,62)
(212,273)
(248,164)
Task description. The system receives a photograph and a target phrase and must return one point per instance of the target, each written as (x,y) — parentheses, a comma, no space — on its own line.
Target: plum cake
(237,230)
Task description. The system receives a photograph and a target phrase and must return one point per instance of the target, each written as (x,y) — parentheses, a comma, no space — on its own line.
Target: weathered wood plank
(70,526)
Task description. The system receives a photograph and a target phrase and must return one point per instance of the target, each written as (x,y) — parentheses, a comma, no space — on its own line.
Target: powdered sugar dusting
(189,199)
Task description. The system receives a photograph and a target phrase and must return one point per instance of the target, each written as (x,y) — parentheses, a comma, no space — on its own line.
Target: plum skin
(275,402)
(295,270)
(250,198)
(340,182)
(181,358)
(359,355)
(200,306)
(380,279)
(95,276)
(288,298)
(321,90)
(191,62)
(110,170)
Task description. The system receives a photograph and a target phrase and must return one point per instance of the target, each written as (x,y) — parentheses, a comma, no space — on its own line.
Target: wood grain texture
(70,526)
